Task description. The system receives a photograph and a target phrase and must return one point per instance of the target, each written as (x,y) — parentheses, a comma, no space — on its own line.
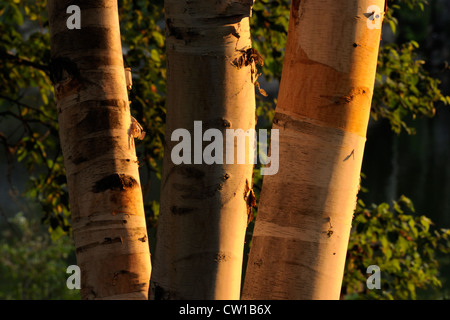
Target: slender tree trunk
(99,156)
(304,217)
(203,214)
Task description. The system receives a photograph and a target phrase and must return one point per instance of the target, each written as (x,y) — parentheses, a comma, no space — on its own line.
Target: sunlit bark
(99,156)
(304,217)
(204,207)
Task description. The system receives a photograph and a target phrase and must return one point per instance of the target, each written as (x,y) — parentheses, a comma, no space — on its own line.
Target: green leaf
(159,38)
(15,14)
(154,54)
(425,223)
(393,25)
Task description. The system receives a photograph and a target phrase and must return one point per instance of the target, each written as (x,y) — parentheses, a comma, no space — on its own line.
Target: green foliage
(404,246)
(403,88)
(269,25)
(27,108)
(394,6)
(32,266)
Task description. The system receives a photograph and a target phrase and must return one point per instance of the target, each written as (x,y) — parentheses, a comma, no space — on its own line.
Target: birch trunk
(203,215)
(304,217)
(99,156)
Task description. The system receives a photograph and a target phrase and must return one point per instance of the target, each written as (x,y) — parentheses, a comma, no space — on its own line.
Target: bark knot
(65,77)
(220,257)
(116,182)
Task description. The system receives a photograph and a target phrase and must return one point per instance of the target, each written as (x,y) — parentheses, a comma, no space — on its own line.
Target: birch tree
(305,213)
(97,133)
(211,73)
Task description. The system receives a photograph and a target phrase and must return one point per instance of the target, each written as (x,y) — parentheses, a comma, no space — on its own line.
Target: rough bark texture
(304,217)
(103,180)
(203,213)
